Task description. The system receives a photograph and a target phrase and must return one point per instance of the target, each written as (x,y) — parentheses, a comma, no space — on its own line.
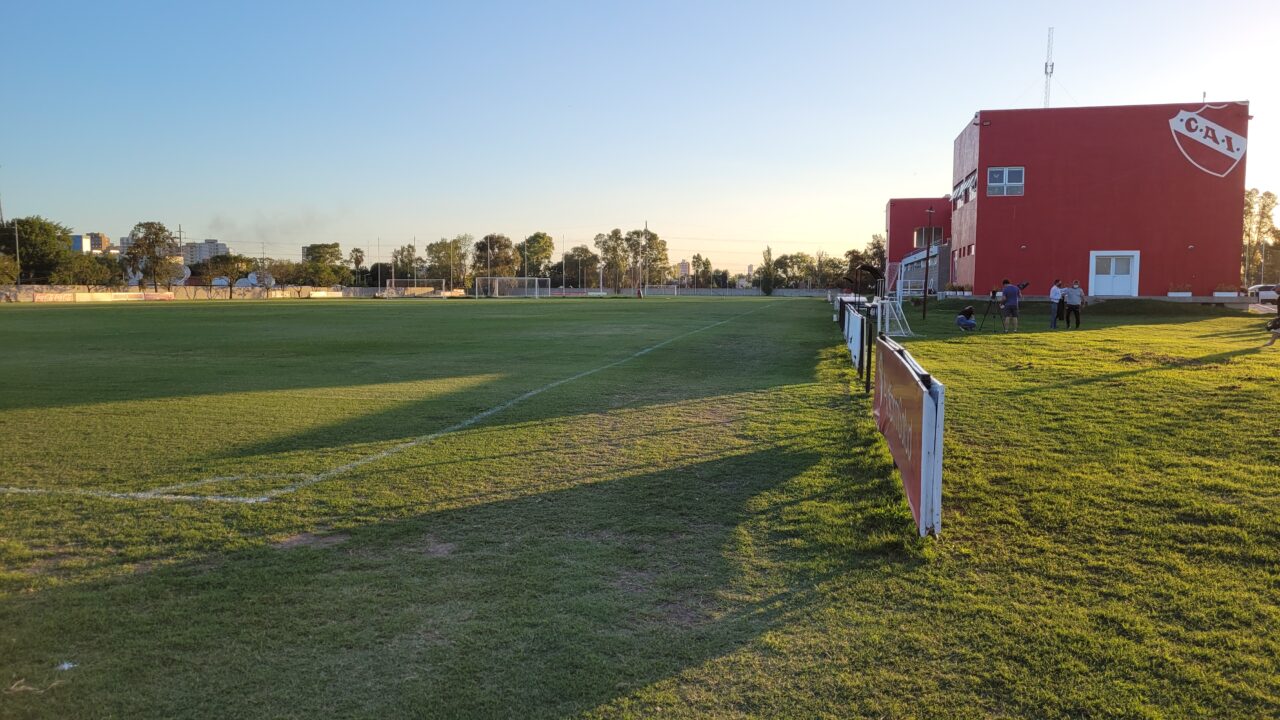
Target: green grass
(712,528)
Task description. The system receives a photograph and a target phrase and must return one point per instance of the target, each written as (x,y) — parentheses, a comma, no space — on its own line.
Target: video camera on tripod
(997,299)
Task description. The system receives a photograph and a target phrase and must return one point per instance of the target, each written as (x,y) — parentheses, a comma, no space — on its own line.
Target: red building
(1129,200)
(905,221)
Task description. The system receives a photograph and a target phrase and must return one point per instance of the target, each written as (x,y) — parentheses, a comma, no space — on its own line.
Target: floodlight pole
(928,249)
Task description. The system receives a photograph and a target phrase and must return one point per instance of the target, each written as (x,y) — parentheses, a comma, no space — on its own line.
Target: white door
(1113,273)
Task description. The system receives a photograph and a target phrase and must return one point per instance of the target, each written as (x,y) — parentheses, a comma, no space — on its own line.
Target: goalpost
(672,290)
(415,287)
(532,287)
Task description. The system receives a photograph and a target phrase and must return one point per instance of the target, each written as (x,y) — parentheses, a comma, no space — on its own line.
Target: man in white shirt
(1055,304)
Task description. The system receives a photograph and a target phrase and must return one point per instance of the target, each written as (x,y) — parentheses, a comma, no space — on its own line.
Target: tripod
(990,301)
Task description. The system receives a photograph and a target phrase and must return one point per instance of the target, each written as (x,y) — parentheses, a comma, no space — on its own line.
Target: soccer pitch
(675,506)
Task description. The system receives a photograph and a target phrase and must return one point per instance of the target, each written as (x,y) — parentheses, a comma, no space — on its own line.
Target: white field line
(149,495)
(165,493)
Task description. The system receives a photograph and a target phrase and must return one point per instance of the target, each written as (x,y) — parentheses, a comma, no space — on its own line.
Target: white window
(1005,180)
(921,234)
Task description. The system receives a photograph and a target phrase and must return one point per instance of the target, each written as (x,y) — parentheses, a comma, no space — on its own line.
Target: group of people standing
(1065,302)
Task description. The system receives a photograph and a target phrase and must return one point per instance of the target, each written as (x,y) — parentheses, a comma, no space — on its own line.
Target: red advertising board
(908,413)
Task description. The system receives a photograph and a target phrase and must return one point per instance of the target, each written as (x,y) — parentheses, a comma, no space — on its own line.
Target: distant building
(90,243)
(1131,200)
(194,252)
(751,271)
(684,269)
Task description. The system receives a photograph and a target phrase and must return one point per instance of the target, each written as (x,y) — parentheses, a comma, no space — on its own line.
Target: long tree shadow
(1144,365)
(541,606)
(747,366)
(203,350)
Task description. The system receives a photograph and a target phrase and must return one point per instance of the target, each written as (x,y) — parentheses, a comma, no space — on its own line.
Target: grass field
(613,508)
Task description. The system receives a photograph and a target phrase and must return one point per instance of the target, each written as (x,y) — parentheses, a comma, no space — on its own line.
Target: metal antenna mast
(1048,68)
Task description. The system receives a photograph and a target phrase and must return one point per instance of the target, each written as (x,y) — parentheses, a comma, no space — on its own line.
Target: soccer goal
(415,287)
(532,287)
(672,290)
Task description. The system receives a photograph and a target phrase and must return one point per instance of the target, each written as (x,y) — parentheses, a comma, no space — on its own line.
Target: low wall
(93,293)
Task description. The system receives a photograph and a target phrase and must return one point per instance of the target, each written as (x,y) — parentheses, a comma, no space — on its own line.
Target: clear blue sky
(727,126)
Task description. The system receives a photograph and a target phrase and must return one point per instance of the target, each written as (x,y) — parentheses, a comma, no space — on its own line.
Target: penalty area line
(167,494)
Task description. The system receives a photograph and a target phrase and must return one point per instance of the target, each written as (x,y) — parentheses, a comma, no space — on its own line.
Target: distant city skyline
(726,127)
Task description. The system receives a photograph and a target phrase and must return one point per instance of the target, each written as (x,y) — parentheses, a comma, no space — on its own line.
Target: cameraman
(1009,306)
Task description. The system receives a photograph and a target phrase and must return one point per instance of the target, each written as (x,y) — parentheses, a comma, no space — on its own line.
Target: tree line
(1260,247)
(616,259)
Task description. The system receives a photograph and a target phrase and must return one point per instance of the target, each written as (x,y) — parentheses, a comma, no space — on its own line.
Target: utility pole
(928,250)
(1048,68)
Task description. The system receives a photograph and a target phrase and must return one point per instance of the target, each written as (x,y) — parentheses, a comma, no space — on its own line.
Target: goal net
(415,287)
(533,287)
(661,289)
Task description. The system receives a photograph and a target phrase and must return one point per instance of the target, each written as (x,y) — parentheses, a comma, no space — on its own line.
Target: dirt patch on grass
(312,540)
(439,549)
(685,612)
(634,582)
(1172,360)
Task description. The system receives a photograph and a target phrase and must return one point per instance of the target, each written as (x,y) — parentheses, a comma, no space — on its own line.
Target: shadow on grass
(1146,363)
(737,363)
(1034,316)
(541,606)
(204,350)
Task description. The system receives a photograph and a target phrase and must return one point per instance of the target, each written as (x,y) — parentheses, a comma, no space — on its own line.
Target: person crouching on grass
(965,320)
(1274,327)
(1009,306)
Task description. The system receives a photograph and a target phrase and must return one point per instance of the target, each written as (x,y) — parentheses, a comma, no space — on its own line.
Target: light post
(928,250)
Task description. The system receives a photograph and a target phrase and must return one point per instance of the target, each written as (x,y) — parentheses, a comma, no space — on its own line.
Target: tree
(634,243)
(613,253)
(854,259)
(874,253)
(646,255)
(1259,228)
(405,261)
(318,274)
(720,278)
(44,246)
(657,264)
(700,269)
(794,270)
(230,266)
(81,269)
(8,269)
(327,253)
(766,271)
(578,269)
(356,258)
(829,270)
(379,274)
(493,256)
(447,259)
(154,254)
(534,254)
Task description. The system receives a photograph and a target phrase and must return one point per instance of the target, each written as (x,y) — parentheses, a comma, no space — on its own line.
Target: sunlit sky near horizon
(726,126)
